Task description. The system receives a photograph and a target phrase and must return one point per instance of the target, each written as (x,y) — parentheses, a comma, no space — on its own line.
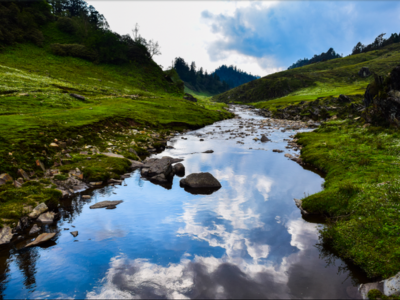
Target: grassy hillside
(37,109)
(330,78)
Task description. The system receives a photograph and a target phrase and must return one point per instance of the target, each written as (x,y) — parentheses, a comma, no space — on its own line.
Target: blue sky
(260,37)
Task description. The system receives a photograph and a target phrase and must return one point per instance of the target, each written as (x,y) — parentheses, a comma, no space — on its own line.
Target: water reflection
(247,240)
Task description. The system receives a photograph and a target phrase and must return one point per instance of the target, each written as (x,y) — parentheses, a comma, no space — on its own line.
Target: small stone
(6,177)
(79,97)
(277,150)
(86,197)
(23,174)
(74,233)
(209,151)
(53,145)
(106,203)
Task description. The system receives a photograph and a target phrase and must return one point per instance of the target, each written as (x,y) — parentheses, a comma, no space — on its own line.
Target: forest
(199,80)
(90,35)
(234,76)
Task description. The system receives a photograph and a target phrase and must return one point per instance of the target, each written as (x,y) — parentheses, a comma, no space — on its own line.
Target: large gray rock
(47,218)
(388,287)
(136,165)
(158,167)
(179,169)
(160,178)
(44,237)
(5,235)
(200,180)
(41,208)
(106,203)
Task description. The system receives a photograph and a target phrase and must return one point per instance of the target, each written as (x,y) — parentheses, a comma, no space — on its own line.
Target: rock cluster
(384,94)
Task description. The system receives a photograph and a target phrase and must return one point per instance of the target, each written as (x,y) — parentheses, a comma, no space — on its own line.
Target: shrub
(36,36)
(75,50)
(66,24)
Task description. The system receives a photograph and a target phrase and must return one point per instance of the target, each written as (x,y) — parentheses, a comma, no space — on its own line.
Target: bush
(36,36)
(74,50)
(66,24)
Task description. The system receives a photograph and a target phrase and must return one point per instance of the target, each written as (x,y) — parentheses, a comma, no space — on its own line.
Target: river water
(246,240)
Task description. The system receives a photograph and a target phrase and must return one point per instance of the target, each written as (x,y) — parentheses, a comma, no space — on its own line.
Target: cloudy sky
(260,37)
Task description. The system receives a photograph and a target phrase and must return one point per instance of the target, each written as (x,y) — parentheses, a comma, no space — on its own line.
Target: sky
(259,37)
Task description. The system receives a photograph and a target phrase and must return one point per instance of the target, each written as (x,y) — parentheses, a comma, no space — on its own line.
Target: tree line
(21,21)
(199,80)
(234,76)
(378,43)
(330,54)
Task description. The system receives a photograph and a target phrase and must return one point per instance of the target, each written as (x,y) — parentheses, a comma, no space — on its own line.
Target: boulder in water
(200,183)
(179,169)
(44,237)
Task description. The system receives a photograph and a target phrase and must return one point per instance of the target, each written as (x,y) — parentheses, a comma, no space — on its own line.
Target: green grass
(361,194)
(320,90)
(131,106)
(333,77)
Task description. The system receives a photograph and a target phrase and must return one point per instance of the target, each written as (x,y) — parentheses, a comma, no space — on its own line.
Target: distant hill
(234,76)
(333,77)
(330,54)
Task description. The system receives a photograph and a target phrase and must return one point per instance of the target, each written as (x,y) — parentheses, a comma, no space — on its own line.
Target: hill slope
(330,78)
(54,109)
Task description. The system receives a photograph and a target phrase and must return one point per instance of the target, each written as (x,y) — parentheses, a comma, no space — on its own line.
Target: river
(246,240)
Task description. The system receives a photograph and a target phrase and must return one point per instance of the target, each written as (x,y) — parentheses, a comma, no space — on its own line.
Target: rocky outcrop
(384,96)
(47,218)
(318,110)
(364,72)
(189,97)
(158,166)
(41,208)
(200,183)
(299,204)
(44,237)
(106,204)
(388,287)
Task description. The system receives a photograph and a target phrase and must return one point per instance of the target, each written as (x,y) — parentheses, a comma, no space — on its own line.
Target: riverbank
(250,229)
(59,114)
